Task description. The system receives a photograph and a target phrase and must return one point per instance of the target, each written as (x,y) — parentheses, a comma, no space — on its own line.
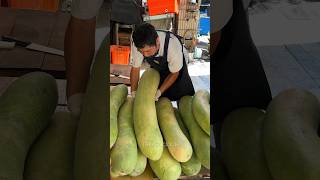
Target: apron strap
(166,45)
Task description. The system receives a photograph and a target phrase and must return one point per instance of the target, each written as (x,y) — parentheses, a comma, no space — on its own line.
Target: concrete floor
(288,40)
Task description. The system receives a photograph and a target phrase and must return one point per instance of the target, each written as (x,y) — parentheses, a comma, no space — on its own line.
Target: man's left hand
(158,94)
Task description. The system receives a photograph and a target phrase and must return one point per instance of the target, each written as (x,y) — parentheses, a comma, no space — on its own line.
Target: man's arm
(134,78)
(168,81)
(79,51)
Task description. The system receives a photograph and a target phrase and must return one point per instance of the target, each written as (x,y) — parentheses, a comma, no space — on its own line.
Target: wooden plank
(7,19)
(283,71)
(54,62)
(309,62)
(20,58)
(35,26)
(116,80)
(120,69)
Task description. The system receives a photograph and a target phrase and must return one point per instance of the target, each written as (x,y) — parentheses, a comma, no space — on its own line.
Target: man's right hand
(75,104)
(133,94)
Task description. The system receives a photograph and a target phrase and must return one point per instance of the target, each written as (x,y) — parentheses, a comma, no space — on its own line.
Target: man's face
(148,51)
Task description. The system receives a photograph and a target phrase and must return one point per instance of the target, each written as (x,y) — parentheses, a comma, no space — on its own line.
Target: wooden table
(45,28)
(123,70)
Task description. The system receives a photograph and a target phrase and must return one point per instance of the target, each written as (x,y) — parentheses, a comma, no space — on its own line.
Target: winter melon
(291,142)
(26,108)
(145,120)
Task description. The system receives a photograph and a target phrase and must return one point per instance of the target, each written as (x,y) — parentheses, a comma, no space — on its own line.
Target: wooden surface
(123,70)
(40,27)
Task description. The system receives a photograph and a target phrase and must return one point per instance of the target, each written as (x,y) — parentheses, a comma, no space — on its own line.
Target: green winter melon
(26,108)
(124,154)
(242,146)
(199,139)
(177,143)
(51,156)
(145,120)
(92,134)
(140,165)
(291,142)
(201,109)
(166,168)
(118,95)
(193,165)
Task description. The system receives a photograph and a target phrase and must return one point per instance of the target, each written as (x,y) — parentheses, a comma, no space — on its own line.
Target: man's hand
(133,94)
(158,94)
(75,104)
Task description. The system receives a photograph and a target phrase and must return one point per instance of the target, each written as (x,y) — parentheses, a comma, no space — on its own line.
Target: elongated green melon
(219,171)
(51,156)
(242,146)
(181,124)
(26,108)
(145,120)
(291,142)
(92,132)
(140,165)
(146,174)
(124,154)
(193,165)
(199,139)
(177,143)
(201,109)
(118,95)
(166,168)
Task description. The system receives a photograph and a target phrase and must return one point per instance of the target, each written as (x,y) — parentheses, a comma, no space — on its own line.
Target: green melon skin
(148,134)
(242,146)
(26,108)
(201,109)
(219,172)
(91,145)
(118,95)
(140,165)
(124,154)
(178,144)
(193,166)
(51,156)
(166,168)
(199,139)
(290,139)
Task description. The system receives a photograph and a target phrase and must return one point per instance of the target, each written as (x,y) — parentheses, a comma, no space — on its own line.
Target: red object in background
(44,5)
(120,54)
(157,7)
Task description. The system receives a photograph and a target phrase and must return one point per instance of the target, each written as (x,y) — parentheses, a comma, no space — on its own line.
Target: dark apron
(238,79)
(183,84)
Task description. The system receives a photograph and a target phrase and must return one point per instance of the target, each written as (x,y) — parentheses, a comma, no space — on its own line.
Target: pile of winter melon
(143,132)
(37,142)
(281,143)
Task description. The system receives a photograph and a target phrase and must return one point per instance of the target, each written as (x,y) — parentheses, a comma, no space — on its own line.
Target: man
(164,52)
(238,79)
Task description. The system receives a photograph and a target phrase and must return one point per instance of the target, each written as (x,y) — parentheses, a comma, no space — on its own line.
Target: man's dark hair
(144,34)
